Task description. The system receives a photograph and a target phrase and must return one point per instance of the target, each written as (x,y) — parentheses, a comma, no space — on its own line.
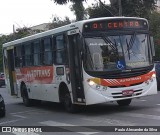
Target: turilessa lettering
(38,73)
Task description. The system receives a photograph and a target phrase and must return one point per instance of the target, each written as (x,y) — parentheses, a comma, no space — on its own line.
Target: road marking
(142,100)
(23,117)
(70,127)
(11,121)
(109,121)
(24,112)
(139,115)
(157,104)
(139,100)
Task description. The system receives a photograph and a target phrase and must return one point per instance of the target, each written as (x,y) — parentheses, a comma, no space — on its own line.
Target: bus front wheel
(71,108)
(27,102)
(125,102)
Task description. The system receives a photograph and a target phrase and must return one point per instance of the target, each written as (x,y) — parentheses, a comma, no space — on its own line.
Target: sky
(28,13)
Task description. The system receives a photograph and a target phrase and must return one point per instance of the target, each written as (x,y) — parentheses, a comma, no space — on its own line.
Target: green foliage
(20,33)
(100,10)
(154,21)
(138,8)
(61,2)
(78,10)
(77,7)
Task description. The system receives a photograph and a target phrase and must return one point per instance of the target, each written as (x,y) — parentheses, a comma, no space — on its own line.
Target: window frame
(63,50)
(43,52)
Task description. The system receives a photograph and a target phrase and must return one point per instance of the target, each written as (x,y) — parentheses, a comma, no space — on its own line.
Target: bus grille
(119,94)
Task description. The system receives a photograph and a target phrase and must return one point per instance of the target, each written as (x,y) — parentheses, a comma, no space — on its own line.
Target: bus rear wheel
(125,102)
(27,102)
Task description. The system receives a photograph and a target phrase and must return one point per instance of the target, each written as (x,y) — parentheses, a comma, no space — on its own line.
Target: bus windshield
(118,52)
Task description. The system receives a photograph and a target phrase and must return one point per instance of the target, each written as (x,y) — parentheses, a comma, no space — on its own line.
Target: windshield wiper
(115,43)
(130,44)
(111,44)
(131,41)
(128,49)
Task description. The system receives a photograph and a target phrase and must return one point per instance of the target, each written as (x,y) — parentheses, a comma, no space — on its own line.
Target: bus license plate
(127,92)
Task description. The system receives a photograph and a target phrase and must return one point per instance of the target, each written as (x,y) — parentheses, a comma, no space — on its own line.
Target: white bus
(88,62)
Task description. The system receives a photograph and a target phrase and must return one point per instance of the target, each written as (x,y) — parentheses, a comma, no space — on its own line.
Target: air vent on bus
(119,94)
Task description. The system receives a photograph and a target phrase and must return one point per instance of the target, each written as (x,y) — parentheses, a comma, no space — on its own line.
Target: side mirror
(152,46)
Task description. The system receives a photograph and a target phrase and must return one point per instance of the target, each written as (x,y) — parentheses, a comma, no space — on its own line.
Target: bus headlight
(96,86)
(153,76)
(91,83)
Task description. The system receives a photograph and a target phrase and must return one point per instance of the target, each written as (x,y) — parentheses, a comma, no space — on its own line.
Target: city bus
(84,63)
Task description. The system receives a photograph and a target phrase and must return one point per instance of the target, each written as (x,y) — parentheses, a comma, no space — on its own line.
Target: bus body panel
(39,85)
(107,94)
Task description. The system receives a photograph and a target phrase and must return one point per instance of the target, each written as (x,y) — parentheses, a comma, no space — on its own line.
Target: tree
(77,7)
(20,33)
(154,21)
(100,10)
(138,8)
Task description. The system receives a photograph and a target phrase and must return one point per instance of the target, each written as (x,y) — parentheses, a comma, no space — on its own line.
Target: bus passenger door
(10,71)
(75,67)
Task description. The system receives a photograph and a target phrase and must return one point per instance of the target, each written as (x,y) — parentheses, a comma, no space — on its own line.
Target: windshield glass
(122,52)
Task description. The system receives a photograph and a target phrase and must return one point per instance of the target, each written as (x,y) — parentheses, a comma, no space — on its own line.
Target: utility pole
(120,7)
(14,28)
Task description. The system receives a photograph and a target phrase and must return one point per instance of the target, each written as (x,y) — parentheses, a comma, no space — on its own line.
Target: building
(40,27)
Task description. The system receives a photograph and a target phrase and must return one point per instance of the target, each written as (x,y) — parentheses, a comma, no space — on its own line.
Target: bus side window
(36,53)
(28,54)
(47,51)
(18,56)
(59,50)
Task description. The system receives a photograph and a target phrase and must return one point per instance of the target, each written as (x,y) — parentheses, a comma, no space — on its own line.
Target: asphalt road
(142,112)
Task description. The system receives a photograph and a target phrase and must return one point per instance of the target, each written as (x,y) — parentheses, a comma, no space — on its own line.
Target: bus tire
(2,114)
(125,102)
(27,102)
(69,107)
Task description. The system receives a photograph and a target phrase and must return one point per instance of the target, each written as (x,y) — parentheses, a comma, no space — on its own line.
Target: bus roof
(68,27)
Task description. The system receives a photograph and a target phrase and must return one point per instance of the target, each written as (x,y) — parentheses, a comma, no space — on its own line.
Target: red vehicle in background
(2,79)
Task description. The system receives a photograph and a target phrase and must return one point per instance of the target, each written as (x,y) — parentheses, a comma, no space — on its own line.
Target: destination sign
(115,25)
